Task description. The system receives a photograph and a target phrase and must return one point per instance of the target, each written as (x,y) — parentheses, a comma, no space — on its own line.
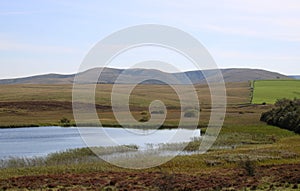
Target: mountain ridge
(110,76)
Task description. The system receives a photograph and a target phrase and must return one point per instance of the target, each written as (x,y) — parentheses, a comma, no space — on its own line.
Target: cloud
(11,45)
(253,56)
(15,13)
(276,20)
(266,6)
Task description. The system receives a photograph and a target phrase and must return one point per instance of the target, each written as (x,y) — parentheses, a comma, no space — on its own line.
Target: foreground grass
(270,165)
(243,158)
(268,91)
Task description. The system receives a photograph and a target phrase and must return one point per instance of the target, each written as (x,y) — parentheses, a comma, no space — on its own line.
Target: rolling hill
(295,77)
(110,75)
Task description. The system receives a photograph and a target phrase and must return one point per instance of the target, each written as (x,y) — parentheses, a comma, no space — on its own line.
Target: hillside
(110,75)
(41,79)
(295,77)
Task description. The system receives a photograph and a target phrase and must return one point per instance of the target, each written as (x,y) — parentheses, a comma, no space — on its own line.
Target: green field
(268,91)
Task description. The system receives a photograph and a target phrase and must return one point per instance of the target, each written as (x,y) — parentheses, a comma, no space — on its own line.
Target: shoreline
(104,125)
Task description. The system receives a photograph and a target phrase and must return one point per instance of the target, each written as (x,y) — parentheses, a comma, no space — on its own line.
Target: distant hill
(110,75)
(41,79)
(295,77)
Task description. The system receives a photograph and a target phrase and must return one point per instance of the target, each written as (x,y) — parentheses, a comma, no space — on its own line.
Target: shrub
(145,116)
(286,114)
(144,119)
(248,165)
(65,122)
(190,113)
(158,112)
(144,113)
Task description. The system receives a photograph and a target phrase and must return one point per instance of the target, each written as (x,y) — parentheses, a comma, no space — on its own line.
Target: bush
(158,112)
(191,113)
(145,116)
(286,114)
(144,119)
(144,113)
(65,122)
(248,165)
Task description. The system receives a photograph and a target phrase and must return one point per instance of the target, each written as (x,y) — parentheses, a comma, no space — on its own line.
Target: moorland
(248,154)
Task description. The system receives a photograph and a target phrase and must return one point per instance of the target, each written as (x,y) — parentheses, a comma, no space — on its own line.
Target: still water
(40,141)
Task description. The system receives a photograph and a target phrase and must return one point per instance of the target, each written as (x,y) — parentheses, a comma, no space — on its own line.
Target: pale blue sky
(53,36)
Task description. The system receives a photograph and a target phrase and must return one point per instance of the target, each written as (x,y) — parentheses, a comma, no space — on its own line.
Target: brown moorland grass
(40,105)
(286,177)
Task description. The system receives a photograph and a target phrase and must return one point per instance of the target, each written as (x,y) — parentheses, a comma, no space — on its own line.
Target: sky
(54,36)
